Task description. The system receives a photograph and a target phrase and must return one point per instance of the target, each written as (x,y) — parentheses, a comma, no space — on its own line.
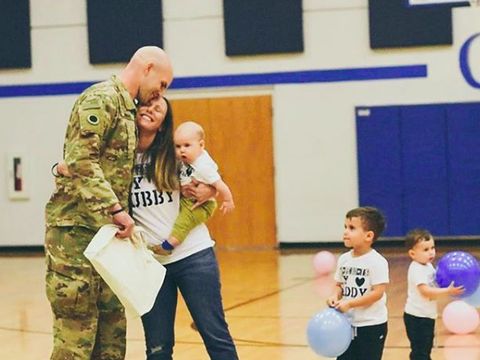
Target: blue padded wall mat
(379,163)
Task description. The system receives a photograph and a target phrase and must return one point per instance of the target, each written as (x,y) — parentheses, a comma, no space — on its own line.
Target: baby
(196,164)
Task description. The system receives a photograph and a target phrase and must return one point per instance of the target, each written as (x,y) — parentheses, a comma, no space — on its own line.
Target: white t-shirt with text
(357,275)
(156,211)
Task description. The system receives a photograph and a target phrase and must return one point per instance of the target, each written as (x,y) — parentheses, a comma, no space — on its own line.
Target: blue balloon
(329,333)
(460,267)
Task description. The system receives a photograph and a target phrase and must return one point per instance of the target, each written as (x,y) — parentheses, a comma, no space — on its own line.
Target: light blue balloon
(473,299)
(329,333)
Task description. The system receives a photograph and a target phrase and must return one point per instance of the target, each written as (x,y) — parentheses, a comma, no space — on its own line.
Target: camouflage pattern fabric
(100,142)
(89,321)
(99,150)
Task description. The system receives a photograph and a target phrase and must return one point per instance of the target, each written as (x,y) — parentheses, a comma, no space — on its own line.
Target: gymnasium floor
(269,296)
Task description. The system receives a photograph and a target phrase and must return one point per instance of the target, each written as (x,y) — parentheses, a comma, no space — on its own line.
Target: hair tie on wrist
(115,212)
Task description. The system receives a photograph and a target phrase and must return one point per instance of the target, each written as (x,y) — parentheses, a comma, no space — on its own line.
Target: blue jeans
(198,279)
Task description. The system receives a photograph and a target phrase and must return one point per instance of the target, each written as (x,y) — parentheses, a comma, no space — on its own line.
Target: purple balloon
(460,267)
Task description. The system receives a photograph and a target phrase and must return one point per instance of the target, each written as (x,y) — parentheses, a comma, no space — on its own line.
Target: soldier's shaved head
(151,54)
(148,73)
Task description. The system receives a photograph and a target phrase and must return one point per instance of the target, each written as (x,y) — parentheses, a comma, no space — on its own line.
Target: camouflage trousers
(89,321)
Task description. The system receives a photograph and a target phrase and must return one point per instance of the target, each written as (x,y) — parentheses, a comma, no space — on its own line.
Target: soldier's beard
(143,99)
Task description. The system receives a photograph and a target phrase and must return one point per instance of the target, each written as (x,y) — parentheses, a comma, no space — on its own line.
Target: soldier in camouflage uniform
(89,321)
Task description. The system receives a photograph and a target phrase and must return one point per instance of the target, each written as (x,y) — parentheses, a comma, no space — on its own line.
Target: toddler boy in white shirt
(421,306)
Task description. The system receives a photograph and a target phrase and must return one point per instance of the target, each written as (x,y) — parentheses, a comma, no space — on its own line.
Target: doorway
(238,134)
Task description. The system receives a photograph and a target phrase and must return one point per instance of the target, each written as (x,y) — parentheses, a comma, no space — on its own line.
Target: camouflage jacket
(99,150)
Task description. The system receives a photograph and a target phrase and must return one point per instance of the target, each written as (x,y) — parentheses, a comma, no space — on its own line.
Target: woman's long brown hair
(162,168)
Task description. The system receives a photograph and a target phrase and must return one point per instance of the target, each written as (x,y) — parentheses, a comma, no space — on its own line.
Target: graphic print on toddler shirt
(355,281)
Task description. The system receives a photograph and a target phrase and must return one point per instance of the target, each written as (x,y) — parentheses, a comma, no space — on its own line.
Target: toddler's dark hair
(414,236)
(372,219)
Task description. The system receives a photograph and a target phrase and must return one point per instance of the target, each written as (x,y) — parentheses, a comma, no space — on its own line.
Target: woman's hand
(200,191)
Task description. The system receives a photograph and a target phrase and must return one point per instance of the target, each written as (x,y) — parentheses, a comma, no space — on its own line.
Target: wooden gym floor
(269,296)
